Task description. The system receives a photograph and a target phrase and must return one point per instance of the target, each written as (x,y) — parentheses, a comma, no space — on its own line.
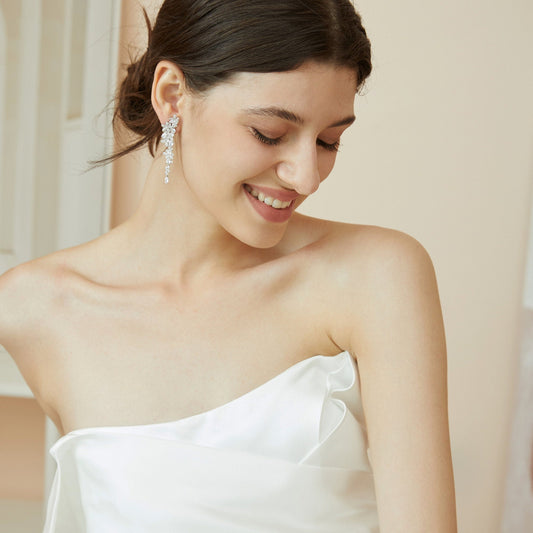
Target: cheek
(202,148)
(217,158)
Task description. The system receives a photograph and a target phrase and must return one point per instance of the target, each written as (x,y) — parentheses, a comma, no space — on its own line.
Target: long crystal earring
(169,130)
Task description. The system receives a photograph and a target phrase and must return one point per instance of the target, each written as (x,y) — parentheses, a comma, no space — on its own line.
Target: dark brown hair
(210,40)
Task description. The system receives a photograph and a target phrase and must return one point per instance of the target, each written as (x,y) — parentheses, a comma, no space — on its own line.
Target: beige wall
(21,449)
(129,172)
(442,150)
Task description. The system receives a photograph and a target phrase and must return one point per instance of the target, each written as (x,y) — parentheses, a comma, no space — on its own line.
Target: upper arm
(393,325)
(28,296)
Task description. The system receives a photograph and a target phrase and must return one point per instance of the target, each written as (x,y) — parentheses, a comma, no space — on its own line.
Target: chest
(143,360)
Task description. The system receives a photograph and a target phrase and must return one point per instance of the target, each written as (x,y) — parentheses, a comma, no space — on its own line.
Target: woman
(220,362)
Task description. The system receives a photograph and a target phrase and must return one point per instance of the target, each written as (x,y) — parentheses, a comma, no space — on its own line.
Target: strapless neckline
(175,422)
(289,455)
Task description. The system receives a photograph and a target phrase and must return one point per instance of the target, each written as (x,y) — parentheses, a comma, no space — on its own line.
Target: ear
(168,88)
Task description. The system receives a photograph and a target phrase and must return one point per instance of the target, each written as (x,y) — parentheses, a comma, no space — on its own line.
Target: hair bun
(133,105)
(134,96)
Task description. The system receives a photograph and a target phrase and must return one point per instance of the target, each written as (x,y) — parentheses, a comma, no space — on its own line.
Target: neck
(171,236)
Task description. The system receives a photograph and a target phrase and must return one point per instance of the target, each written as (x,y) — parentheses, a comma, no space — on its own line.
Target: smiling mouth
(268,200)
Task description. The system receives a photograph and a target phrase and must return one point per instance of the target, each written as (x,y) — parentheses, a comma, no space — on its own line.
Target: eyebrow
(285,114)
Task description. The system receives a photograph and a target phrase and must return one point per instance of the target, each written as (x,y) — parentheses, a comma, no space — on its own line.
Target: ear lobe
(167,90)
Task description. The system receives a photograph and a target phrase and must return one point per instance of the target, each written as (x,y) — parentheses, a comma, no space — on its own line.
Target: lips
(268,212)
(279,194)
(268,200)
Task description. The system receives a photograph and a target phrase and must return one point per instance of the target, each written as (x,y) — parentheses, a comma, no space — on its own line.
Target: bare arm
(393,325)
(26,305)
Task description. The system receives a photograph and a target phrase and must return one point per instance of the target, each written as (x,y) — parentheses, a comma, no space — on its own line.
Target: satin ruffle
(288,456)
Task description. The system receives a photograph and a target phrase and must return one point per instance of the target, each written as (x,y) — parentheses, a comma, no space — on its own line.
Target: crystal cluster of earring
(167,137)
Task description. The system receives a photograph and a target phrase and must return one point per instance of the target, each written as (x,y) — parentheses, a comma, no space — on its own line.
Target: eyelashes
(264,139)
(333,147)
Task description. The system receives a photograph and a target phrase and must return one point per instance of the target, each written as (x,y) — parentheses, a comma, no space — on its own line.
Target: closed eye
(264,139)
(332,147)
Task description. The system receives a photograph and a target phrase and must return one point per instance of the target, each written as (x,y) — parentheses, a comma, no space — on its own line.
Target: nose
(299,169)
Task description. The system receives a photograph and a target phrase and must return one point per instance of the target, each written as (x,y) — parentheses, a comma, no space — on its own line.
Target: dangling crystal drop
(167,137)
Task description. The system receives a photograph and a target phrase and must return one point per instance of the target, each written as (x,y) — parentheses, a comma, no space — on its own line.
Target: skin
(196,299)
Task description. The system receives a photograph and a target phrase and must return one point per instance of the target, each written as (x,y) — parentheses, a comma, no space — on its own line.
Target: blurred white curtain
(518,504)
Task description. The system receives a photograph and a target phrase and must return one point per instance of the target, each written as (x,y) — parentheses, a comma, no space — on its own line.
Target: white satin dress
(289,456)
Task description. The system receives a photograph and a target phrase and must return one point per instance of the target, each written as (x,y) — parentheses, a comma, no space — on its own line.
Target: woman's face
(261,136)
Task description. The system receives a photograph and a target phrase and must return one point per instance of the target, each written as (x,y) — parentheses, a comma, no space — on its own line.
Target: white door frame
(76,205)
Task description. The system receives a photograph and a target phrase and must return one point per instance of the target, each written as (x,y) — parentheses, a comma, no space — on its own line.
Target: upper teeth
(273,202)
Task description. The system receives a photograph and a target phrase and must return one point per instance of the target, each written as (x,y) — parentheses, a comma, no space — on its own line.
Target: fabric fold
(288,456)
(141,483)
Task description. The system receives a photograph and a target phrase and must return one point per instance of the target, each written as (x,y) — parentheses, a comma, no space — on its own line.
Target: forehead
(311,89)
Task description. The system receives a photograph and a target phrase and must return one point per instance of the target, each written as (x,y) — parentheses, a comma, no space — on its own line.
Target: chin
(268,239)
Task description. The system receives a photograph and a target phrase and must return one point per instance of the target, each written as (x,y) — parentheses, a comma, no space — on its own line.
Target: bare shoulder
(21,287)
(368,245)
(29,294)
(385,263)
(392,282)
(361,270)
(357,242)
(363,252)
